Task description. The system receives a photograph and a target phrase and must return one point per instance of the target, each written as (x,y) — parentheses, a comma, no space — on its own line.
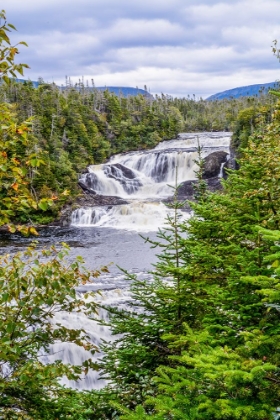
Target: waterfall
(138,216)
(70,353)
(144,179)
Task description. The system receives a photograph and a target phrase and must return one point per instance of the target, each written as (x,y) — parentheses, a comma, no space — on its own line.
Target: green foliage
(247,121)
(34,288)
(8,51)
(219,115)
(223,362)
(17,168)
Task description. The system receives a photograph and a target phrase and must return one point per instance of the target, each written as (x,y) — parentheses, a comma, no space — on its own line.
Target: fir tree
(228,361)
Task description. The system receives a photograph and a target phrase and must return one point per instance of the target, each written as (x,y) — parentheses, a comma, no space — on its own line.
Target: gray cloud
(173,46)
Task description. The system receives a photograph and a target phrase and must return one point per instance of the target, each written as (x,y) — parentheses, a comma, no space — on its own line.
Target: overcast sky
(179,47)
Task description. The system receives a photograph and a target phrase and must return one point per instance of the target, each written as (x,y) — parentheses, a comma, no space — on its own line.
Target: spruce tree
(228,361)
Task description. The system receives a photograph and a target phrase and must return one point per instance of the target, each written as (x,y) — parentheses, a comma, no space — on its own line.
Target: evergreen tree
(227,366)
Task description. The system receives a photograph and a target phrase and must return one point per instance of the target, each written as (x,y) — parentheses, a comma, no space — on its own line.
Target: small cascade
(125,176)
(221,173)
(190,140)
(88,216)
(70,353)
(137,216)
(161,166)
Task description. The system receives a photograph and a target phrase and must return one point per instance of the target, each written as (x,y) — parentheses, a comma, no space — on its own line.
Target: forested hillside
(73,128)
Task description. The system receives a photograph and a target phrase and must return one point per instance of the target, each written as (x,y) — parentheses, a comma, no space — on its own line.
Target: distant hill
(124,91)
(251,90)
(117,90)
(35,84)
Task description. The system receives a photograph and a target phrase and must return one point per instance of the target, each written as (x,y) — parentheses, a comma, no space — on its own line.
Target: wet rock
(187,191)
(212,164)
(125,176)
(232,164)
(126,172)
(89,182)
(85,188)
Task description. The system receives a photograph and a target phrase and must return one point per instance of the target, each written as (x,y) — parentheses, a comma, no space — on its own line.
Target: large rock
(114,170)
(89,182)
(86,188)
(212,164)
(125,176)
(187,189)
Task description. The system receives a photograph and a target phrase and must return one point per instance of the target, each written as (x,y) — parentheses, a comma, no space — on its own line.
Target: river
(110,234)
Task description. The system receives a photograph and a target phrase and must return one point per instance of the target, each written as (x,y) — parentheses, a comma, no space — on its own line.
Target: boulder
(89,182)
(86,188)
(125,176)
(114,171)
(213,162)
(186,189)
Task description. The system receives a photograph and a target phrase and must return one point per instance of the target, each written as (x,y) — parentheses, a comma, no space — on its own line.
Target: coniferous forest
(201,340)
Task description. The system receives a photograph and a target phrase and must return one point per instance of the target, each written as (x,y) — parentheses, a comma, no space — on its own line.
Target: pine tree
(228,361)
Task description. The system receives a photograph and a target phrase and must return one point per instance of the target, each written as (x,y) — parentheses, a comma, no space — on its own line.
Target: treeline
(79,126)
(219,115)
(72,129)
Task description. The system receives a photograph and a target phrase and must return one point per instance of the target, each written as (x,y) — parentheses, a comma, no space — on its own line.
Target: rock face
(186,189)
(230,164)
(212,164)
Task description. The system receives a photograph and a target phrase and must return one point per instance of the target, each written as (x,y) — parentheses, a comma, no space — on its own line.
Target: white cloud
(173,46)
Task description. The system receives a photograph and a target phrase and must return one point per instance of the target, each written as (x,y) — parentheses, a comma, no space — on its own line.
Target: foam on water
(137,216)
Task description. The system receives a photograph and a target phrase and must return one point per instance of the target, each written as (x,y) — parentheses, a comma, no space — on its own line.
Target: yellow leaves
(12,229)
(33,231)
(65,193)
(15,186)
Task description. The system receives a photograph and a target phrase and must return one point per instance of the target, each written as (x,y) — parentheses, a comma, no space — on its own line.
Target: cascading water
(139,216)
(70,353)
(142,178)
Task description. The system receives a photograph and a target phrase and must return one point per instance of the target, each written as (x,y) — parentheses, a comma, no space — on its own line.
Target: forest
(202,339)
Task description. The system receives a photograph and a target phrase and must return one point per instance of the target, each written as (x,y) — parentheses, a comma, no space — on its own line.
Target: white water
(205,140)
(143,178)
(138,216)
(70,353)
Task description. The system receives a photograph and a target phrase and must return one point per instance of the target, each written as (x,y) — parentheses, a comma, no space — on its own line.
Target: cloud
(173,46)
